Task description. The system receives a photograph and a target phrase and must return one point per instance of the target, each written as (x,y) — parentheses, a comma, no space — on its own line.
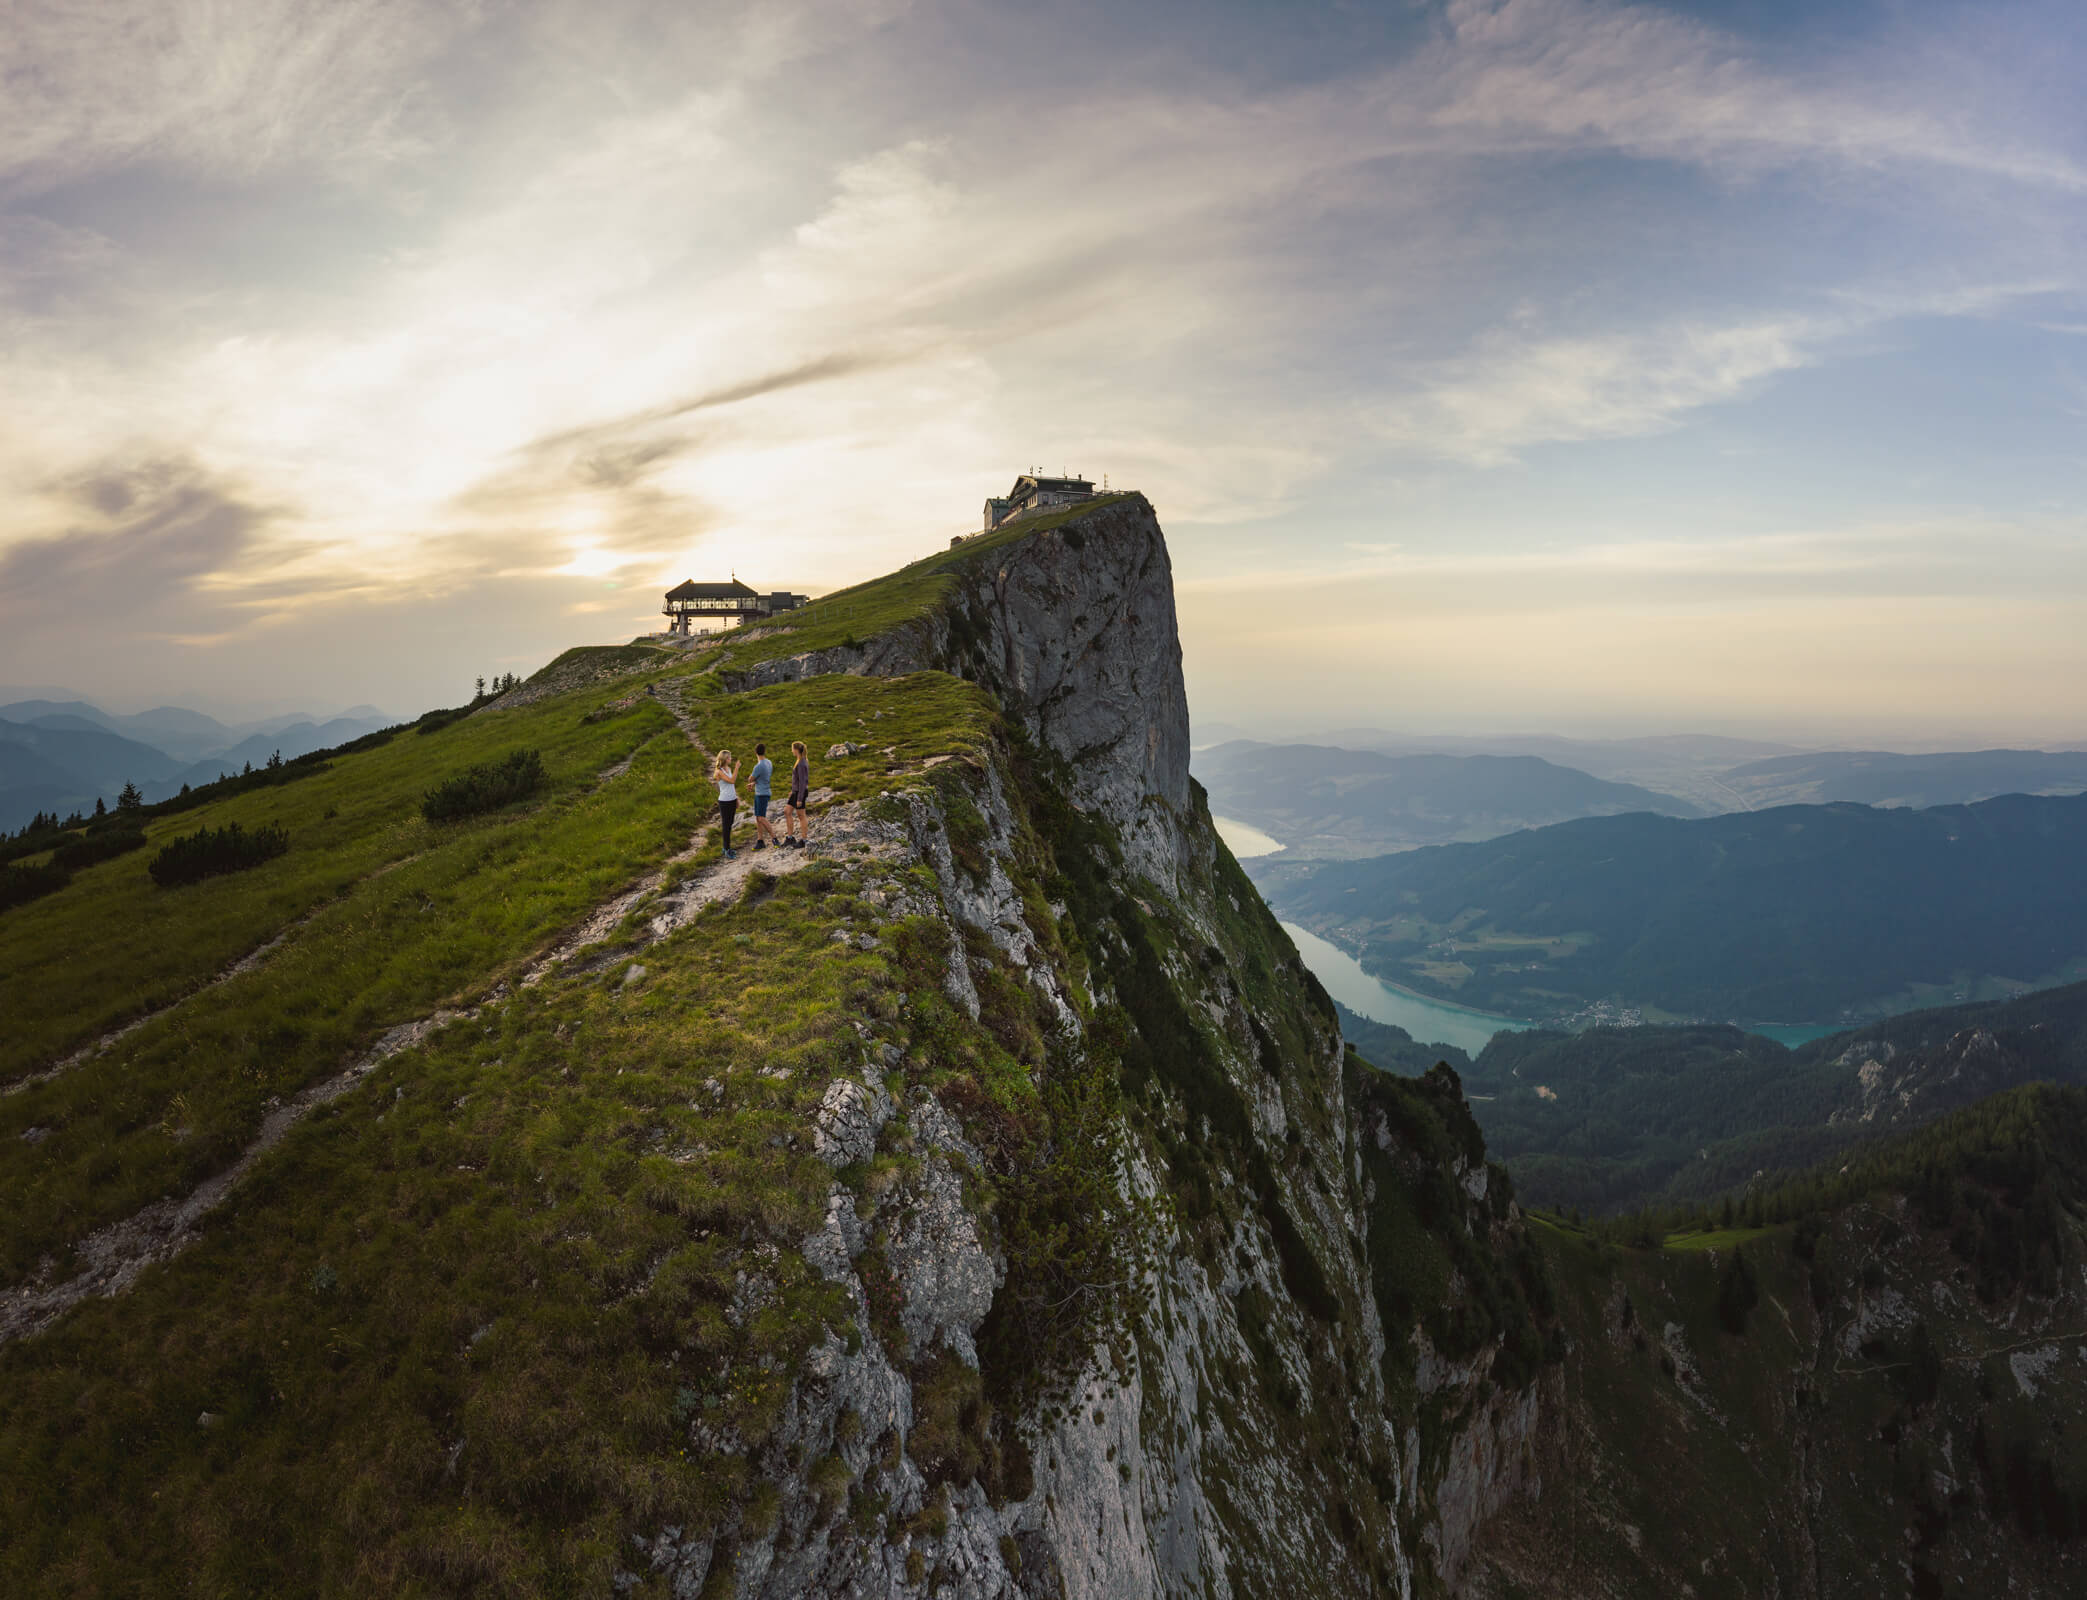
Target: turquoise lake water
(1795,1034)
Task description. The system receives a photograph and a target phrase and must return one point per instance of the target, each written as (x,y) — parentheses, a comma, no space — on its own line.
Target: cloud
(1511,392)
(150,539)
(220,89)
(1575,73)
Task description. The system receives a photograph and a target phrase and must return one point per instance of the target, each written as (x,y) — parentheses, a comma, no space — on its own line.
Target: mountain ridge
(1796,914)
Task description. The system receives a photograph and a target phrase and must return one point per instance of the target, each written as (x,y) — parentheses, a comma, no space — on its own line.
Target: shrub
(485,788)
(20,885)
(212,852)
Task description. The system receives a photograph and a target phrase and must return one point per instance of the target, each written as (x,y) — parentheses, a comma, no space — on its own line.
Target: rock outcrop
(1235,1427)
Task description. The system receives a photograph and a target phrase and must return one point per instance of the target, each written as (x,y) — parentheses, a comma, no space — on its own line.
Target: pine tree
(132,798)
(100,810)
(480,692)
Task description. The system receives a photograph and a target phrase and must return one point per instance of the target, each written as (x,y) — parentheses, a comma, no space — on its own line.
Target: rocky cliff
(982,1205)
(1230,1409)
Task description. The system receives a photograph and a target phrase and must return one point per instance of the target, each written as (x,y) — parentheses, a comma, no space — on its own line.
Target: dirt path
(260,953)
(245,964)
(114,1256)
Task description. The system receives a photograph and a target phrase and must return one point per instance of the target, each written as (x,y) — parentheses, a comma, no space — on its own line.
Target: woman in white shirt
(726,771)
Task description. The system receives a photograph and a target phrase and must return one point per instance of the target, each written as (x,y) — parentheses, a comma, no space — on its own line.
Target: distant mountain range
(1800,914)
(1687,774)
(63,755)
(1334,802)
(1885,778)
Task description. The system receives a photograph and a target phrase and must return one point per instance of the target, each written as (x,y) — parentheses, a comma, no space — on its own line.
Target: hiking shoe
(760,844)
(731,855)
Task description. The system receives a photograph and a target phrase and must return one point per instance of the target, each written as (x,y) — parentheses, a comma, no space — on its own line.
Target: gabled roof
(1047,483)
(689,589)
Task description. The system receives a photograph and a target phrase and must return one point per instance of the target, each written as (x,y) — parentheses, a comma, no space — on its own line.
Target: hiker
(763,770)
(726,771)
(797,824)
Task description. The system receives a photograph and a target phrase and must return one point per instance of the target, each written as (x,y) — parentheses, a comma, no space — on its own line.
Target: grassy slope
(111,947)
(441,1374)
(177,1098)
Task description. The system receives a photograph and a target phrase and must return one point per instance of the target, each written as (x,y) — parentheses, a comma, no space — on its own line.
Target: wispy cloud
(225,89)
(620,291)
(143,538)
(1512,391)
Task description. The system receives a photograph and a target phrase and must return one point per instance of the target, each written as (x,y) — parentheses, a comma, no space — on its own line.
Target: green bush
(485,788)
(20,885)
(212,852)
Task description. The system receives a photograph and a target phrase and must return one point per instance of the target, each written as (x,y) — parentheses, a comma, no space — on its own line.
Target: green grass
(555,1173)
(179,1097)
(587,664)
(1714,1239)
(111,946)
(914,718)
(453,1331)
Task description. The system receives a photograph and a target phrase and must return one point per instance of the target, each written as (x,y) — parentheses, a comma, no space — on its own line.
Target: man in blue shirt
(764,769)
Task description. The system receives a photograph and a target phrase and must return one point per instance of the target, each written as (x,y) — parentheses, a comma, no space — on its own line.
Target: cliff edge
(983,1204)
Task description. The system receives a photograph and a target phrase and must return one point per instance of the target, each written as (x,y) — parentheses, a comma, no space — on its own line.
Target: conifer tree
(132,798)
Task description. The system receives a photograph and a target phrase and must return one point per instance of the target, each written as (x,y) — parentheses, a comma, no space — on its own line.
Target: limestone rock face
(850,1117)
(1232,1435)
(935,1250)
(1076,628)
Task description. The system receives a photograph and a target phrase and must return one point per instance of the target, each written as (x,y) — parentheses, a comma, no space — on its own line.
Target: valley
(1818,915)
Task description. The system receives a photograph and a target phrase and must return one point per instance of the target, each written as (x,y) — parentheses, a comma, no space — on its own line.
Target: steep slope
(1880,1397)
(1816,914)
(1611,1119)
(1331,802)
(979,1205)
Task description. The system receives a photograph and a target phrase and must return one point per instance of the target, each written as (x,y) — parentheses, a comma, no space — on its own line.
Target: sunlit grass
(451,1334)
(177,1098)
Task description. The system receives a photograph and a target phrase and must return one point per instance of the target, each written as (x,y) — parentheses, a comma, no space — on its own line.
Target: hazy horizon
(1494,365)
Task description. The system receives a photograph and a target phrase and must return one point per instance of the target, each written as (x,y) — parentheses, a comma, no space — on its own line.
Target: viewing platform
(725,605)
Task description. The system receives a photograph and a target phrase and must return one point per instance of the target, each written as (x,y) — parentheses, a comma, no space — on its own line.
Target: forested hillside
(1816,914)
(1614,1119)
(1867,1382)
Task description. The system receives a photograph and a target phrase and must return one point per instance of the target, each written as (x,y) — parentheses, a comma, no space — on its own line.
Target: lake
(1243,839)
(1791,1035)
(1429,1021)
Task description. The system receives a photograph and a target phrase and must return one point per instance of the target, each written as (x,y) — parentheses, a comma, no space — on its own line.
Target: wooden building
(1032,493)
(726,604)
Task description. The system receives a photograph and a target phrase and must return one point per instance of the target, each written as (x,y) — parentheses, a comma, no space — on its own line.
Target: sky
(1493,365)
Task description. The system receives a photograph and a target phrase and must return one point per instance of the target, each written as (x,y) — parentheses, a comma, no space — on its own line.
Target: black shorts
(797,799)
